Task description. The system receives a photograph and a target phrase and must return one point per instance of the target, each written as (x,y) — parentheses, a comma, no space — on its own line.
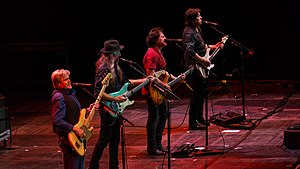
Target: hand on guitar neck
(123,93)
(204,72)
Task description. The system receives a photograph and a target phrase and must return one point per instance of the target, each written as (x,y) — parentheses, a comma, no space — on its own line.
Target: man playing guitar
(195,48)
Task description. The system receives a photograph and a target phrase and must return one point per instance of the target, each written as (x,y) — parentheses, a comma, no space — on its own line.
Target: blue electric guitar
(117,107)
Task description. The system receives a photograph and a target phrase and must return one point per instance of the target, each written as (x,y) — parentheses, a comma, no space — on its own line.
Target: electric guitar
(79,143)
(157,95)
(117,107)
(204,72)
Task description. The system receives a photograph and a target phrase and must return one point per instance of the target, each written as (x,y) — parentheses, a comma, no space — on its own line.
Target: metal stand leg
(223,83)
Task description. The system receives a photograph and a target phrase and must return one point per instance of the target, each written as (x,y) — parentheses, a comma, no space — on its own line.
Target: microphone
(211,23)
(82,84)
(128,61)
(173,40)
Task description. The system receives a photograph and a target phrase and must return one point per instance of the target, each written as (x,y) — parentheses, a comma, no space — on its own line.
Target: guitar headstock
(224,39)
(158,73)
(105,81)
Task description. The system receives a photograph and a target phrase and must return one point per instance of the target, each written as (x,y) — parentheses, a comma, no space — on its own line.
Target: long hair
(105,59)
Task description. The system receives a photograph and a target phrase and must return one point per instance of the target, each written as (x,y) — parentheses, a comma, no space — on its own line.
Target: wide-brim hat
(111,46)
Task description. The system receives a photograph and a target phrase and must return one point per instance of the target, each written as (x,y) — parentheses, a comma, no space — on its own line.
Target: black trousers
(197,83)
(109,134)
(157,117)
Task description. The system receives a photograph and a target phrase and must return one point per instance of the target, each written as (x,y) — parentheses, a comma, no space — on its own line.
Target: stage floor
(257,142)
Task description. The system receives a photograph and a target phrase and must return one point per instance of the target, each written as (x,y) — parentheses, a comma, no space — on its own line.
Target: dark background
(38,37)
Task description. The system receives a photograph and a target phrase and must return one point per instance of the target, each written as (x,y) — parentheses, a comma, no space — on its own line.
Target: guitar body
(76,142)
(119,107)
(158,95)
(204,72)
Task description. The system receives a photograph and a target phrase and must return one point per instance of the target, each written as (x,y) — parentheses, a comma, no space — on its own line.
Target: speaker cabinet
(4,120)
(292,137)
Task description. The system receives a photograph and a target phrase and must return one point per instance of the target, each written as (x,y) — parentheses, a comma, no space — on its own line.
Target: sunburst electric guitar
(157,95)
(79,143)
(117,107)
(204,72)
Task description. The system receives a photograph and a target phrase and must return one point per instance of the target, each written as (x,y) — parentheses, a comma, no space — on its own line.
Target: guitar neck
(137,88)
(176,80)
(224,39)
(92,113)
(104,85)
(214,53)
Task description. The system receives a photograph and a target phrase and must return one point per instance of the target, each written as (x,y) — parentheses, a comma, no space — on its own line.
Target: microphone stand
(141,72)
(169,132)
(165,90)
(244,124)
(122,119)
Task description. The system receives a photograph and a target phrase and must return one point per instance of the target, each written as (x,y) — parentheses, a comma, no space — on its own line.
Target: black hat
(111,46)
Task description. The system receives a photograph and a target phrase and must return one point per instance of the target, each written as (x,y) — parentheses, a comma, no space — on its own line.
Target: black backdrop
(38,37)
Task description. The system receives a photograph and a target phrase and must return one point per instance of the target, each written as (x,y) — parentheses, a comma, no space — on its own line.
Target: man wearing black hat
(108,62)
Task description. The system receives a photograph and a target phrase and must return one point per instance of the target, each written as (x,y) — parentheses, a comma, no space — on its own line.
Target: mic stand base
(11,147)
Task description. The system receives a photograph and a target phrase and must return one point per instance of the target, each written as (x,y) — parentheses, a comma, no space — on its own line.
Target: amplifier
(292,137)
(4,121)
